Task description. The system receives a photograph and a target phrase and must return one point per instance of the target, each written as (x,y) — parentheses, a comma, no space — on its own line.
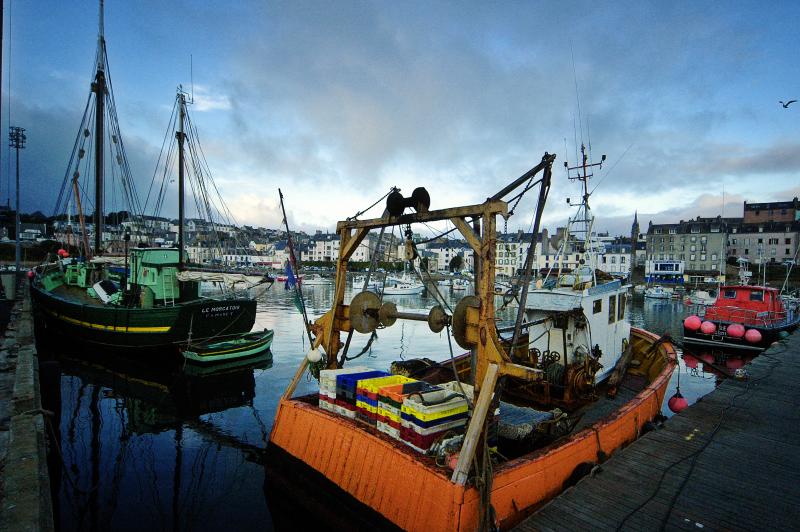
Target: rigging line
(160,154)
(359,213)
(612,168)
(196,136)
(79,140)
(577,94)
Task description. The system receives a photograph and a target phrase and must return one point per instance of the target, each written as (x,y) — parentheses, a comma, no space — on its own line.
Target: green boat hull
(239,348)
(127,328)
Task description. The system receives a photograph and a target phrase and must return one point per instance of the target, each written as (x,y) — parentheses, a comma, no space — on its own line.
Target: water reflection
(147,444)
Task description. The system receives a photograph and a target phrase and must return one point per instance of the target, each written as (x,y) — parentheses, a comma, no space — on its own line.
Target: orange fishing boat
(489,436)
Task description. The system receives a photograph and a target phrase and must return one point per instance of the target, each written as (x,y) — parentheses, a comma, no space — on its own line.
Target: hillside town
(686,251)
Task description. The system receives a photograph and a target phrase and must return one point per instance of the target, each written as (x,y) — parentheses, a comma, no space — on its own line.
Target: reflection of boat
(140,300)
(658,292)
(229,348)
(560,424)
(700,297)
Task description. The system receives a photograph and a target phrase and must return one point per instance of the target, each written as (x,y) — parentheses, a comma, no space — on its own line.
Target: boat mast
(181,136)
(583,175)
(99,88)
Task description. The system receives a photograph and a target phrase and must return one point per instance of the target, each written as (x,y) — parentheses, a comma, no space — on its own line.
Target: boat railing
(744,316)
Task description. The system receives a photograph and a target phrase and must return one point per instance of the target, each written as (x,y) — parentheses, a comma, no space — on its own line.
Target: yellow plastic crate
(434,413)
(372,385)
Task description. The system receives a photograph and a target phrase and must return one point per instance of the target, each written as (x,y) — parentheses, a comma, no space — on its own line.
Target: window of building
(695,229)
(773,241)
(787,241)
(694,239)
(622,260)
(692,256)
(703,238)
(787,252)
(604,259)
(702,257)
(692,248)
(746,251)
(713,256)
(612,309)
(756,295)
(729,294)
(597,306)
(760,240)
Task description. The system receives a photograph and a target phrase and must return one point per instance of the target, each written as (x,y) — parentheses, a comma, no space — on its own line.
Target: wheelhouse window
(730,294)
(757,296)
(621,306)
(597,306)
(612,309)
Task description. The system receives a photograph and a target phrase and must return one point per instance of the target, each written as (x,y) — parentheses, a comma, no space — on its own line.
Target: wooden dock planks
(729,462)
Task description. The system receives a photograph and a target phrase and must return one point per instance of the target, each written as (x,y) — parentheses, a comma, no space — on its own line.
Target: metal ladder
(168,290)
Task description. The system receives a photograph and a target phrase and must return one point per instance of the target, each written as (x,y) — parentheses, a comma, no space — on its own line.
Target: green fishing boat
(146,298)
(241,347)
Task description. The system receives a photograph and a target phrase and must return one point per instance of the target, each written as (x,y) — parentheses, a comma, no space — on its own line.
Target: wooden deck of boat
(730,461)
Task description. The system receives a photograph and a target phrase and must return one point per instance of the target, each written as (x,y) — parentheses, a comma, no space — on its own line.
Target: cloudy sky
(335,102)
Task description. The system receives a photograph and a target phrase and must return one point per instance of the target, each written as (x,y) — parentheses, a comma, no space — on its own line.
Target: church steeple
(634,240)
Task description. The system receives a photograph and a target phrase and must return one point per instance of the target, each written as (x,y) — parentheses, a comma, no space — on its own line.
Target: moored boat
(658,292)
(700,297)
(228,349)
(144,299)
(453,449)
(402,286)
(747,317)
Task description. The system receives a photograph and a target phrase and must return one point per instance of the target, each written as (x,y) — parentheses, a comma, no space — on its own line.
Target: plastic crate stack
(390,402)
(327,385)
(427,416)
(367,395)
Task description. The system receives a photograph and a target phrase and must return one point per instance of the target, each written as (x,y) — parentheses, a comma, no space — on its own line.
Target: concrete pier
(25,501)
(728,462)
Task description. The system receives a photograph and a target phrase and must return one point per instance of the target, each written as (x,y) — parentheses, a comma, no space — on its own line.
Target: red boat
(748,317)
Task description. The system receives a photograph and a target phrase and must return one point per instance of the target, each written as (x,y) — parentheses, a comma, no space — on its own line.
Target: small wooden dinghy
(238,347)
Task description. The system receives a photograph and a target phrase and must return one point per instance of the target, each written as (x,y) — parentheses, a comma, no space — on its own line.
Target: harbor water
(151,444)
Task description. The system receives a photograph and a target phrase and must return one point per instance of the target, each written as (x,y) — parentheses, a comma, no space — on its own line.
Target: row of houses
(697,250)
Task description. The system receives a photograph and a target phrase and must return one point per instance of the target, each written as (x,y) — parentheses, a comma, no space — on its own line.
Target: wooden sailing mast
(99,89)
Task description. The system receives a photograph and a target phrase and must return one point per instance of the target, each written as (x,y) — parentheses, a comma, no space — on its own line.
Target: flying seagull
(787,104)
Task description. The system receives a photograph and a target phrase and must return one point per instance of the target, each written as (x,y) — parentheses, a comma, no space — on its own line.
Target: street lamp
(16,137)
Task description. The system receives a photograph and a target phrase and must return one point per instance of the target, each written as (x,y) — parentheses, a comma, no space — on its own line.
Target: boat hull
(240,348)
(721,339)
(135,328)
(414,493)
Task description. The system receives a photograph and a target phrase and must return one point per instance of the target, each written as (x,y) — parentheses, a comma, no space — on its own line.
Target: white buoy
(314,356)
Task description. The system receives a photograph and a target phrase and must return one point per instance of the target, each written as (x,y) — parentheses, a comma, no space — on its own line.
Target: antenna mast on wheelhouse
(581,172)
(99,89)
